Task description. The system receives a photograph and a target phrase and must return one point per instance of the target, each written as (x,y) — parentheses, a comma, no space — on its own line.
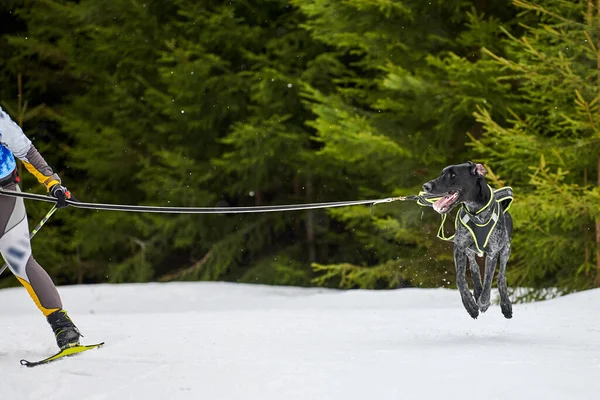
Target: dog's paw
(483,305)
(473,313)
(506,310)
(471,307)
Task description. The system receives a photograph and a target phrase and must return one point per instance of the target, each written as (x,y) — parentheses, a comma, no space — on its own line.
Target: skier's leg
(16,251)
(15,248)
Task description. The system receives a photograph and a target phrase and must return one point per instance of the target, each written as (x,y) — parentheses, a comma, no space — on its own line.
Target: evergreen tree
(399,114)
(28,90)
(269,102)
(548,150)
(168,101)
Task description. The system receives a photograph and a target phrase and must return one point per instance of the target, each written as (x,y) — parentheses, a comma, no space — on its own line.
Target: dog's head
(456,184)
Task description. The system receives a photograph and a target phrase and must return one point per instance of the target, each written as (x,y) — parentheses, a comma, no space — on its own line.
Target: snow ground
(229,341)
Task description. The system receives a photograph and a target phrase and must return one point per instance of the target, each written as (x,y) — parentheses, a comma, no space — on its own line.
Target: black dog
(483,225)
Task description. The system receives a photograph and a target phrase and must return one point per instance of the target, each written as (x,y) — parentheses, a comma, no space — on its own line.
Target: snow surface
(229,341)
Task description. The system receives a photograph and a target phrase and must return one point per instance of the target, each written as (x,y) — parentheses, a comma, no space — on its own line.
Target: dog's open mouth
(444,204)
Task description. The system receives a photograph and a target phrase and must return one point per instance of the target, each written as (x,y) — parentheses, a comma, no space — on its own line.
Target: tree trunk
(258,198)
(310,224)
(79,267)
(597,280)
(297,195)
(586,232)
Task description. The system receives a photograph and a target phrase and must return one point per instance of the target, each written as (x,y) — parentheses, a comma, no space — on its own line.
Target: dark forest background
(243,103)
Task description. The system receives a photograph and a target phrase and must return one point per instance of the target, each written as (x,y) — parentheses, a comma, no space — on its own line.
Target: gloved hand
(61,194)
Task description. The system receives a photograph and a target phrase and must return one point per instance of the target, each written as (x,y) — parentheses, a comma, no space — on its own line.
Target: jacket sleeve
(14,139)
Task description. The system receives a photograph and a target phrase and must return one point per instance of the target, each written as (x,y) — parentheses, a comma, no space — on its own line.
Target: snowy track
(225,341)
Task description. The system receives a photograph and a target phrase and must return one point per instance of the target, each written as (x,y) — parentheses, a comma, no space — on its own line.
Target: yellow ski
(68,352)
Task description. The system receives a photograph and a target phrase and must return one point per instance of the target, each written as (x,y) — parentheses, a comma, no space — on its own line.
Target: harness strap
(442,233)
(501,200)
(10,179)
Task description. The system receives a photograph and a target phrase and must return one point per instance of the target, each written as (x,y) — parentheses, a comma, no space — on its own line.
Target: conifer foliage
(263,102)
(549,148)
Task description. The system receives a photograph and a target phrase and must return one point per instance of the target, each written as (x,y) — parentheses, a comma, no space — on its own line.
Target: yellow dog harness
(500,200)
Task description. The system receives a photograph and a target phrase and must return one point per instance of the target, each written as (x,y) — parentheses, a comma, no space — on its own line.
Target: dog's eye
(452,175)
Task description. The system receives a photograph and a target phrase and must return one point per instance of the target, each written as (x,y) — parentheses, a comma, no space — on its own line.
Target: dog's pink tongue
(442,204)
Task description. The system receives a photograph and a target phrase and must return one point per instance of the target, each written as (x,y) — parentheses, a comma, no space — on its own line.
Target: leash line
(192,210)
(205,210)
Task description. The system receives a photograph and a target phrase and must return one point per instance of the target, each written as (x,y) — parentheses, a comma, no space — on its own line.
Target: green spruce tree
(400,112)
(548,149)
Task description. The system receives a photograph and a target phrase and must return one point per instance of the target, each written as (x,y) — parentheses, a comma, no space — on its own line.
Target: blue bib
(7,162)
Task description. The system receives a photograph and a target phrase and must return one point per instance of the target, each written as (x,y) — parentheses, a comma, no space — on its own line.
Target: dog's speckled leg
(505,303)
(490,268)
(460,260)
(475,275)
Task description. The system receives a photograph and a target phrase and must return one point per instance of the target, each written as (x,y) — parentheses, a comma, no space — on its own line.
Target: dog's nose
(427,187)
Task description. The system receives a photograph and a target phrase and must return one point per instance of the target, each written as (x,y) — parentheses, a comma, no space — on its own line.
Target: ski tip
(93,345)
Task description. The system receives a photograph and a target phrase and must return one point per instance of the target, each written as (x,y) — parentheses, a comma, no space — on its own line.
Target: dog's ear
(478,169)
